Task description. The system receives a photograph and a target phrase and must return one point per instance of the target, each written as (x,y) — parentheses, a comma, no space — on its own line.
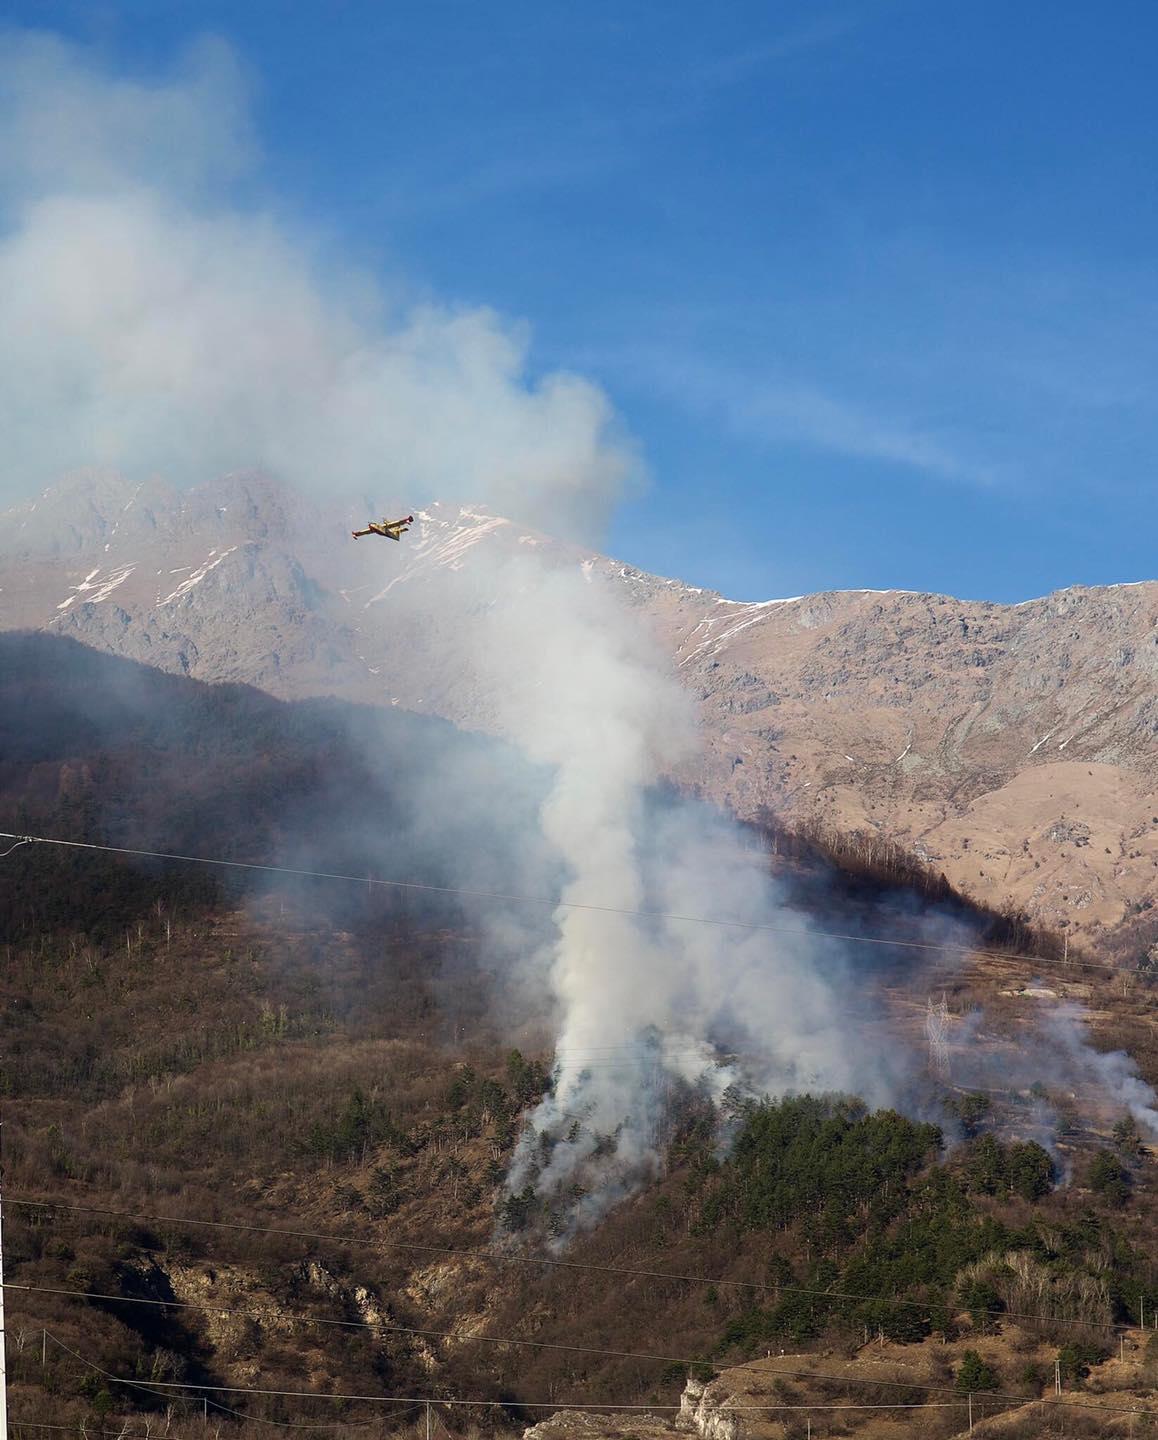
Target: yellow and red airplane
(389,529)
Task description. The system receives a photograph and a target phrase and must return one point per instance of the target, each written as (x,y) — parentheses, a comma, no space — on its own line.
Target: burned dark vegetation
(183,1044)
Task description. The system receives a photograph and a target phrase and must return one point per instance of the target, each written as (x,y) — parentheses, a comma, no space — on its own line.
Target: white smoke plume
(648,1004)
(1111,1074)
(153,324)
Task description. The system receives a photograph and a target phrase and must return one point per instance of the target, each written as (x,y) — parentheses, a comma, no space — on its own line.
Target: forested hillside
(342,1086)
(189,1052)
(93,748)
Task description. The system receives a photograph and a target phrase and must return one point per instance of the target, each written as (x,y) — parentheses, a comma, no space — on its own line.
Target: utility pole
(1057,1377)
(428,1420)
(3,1347)
(971,1412)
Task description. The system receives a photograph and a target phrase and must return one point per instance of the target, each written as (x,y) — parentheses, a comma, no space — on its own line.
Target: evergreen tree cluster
(864,1205)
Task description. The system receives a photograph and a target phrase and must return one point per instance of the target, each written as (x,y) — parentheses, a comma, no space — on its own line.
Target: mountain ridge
(1012,746)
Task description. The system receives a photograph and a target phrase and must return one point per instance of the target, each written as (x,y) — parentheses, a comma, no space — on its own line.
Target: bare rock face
(707,1410)
(1013,747)
(704,1410)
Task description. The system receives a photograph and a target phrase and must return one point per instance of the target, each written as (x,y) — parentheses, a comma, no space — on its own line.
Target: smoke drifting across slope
(153,323)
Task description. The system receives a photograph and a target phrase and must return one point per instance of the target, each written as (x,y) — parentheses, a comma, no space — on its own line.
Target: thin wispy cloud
(582,143)
(801,415)
(765,407)
(817,33)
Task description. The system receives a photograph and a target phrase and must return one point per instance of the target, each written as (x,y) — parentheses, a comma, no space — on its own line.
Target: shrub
(1076,1359)
(974,1374)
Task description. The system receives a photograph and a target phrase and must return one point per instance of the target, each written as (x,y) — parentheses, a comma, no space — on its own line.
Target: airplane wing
(388,529)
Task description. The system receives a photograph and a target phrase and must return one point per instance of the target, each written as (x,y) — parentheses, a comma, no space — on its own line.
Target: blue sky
(871,285)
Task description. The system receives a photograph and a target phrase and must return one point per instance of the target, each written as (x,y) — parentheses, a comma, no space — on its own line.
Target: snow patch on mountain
(197,576)
(92,591)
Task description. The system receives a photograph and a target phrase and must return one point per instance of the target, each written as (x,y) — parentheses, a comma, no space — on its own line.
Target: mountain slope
(101,749)
(1014,747)
(329,1063)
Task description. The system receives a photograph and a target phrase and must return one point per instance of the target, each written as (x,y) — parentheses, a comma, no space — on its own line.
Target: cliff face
(1014,747)
(704,1411)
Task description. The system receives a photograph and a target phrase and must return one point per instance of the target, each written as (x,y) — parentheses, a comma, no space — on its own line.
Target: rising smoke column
(586,694)
(588,697)
(647,1004)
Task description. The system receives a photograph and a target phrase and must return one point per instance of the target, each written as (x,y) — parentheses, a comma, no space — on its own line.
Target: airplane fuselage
(388,529)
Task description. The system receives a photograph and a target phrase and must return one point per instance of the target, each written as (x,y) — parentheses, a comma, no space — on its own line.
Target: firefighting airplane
(389,529)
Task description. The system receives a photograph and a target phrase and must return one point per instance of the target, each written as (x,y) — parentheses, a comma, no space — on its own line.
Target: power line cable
(505,1257)
(536,1405)
(290,1424)
(157,1386)
(562,1405)
(552,903)
(82,1429)
(238,1414)
(388,1327)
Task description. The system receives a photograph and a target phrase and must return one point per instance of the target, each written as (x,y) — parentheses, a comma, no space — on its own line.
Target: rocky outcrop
(704,1408)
